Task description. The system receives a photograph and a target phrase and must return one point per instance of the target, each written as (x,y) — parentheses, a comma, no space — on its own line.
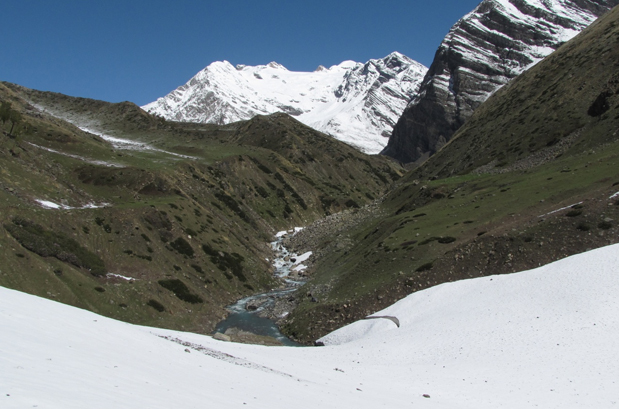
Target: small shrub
(583,227)
(262,192)
(191,232)
(425,267)
(197,268)
(156,305)
(147,258)
(605,225)
(177,268)
(19,255)
(180,290)
(428,241)
(351,203)
(58,272)
(180,220)
(573,213)
(226,261)
(100,289)
(129,252)
(145,237)
(182,246)
(232,205)
(86,230)
(446,240)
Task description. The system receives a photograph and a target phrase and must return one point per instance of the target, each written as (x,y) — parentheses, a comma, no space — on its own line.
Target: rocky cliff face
(356,103)
(482,52)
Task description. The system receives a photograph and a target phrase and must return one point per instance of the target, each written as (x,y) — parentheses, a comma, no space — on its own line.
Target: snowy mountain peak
(354,102)
(276,65)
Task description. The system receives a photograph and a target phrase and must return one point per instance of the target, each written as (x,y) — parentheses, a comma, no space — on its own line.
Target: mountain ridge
(483,51)
(357,103)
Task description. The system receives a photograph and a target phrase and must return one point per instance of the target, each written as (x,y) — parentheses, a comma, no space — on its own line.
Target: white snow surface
(303,257)
(356,103)
(540,338)
(52,205)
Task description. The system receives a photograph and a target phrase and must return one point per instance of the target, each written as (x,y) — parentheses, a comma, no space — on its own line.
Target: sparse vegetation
(181,290)
(182,246)
(225,261)
(156,305)
(54,244)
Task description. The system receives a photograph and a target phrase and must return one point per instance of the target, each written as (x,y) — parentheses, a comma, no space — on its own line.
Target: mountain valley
(150,219)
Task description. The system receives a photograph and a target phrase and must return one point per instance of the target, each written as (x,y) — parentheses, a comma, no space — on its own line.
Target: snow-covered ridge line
(81,158)
(116,142)
(127,144)
(354,102)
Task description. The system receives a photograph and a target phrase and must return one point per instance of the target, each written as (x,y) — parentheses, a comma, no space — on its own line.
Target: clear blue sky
(138,50)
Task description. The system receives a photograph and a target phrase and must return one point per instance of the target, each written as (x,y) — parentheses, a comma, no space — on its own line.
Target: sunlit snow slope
(354,102)
(541,338)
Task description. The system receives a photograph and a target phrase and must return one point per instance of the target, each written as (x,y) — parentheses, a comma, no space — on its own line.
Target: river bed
(246,313)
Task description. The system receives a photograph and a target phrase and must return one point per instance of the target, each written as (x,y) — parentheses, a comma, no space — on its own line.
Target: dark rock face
(483,51)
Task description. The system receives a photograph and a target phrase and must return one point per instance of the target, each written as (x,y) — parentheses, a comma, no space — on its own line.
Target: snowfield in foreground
(540,338)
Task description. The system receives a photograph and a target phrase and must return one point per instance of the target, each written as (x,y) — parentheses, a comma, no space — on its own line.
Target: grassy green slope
(188,221)
(527,180)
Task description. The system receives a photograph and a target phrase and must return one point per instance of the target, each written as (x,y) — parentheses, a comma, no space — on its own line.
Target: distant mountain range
(482,52)
(356,103)
(361,103)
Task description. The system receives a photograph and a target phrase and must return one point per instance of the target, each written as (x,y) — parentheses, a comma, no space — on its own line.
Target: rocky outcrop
(482,52)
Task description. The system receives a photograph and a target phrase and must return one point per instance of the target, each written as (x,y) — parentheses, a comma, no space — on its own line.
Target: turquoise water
(249,321)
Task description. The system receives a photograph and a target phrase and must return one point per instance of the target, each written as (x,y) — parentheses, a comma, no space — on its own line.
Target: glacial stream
(248,319)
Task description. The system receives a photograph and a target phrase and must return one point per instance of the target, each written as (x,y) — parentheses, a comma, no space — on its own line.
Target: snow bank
(540,338)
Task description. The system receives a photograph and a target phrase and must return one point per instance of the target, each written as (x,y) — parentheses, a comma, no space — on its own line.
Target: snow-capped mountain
(356,103)
(482,52)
